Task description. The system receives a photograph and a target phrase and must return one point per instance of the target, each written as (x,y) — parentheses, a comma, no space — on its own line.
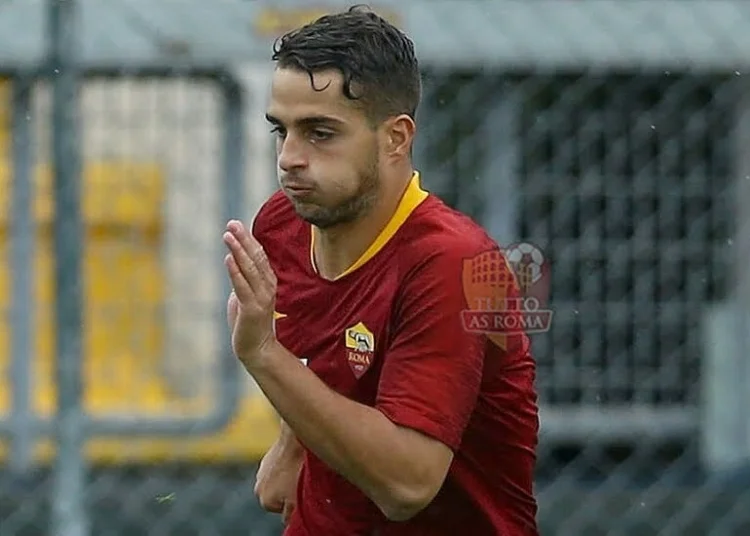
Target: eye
(321,135)
(278,131)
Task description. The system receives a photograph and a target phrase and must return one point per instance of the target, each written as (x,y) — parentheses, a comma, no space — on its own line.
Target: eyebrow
(313,120)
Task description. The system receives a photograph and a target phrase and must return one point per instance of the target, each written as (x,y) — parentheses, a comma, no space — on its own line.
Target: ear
(398,134)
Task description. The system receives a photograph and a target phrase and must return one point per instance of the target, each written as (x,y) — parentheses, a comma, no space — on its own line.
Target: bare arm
(289,440)
(400,469)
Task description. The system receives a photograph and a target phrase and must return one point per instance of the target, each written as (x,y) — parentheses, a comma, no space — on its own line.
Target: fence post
(741,258)
(499,180)
(22,274)
(69,516)
(725,428)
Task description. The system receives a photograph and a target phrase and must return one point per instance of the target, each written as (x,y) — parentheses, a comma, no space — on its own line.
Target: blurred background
(612,134)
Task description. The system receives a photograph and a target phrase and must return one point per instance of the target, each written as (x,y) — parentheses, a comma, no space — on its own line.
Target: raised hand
(251,304)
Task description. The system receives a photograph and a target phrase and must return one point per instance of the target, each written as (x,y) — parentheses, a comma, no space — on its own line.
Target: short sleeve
(432,371)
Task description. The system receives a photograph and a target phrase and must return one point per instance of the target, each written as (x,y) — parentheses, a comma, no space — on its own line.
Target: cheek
(342,186)
(338,177)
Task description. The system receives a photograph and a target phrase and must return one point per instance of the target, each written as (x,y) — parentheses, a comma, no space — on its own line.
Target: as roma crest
(360,348)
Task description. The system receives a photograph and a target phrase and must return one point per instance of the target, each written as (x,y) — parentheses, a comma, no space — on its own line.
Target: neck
(339,247)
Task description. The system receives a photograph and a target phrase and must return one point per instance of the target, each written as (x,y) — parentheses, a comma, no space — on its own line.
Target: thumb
(233,305)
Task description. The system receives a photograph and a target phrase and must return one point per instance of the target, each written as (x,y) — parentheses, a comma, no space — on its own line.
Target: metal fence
(112,352)
(633,180)
(626,182)
(153,362)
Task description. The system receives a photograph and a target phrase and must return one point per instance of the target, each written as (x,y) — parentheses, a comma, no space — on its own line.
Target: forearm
(288,441)
(355,440)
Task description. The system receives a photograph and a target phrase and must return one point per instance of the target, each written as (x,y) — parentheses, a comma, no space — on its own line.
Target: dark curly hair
(376,59)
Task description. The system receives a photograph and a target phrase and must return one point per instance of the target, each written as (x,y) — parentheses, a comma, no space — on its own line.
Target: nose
(291,153)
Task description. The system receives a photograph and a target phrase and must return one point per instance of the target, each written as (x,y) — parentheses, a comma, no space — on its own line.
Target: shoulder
(273,213)
(440,240)
(275,217)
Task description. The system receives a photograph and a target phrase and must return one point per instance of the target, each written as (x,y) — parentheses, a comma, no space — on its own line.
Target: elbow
(406,503)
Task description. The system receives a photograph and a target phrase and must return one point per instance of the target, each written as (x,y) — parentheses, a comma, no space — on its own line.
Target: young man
(352,311)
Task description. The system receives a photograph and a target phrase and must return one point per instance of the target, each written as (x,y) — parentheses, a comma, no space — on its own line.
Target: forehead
(295,95)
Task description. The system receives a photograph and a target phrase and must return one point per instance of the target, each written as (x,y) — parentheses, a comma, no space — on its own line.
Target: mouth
(297,189)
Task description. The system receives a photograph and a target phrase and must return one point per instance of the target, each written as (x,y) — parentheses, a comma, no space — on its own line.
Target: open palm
(250,305)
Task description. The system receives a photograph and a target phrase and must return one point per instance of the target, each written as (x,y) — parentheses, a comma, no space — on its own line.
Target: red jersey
(390,333)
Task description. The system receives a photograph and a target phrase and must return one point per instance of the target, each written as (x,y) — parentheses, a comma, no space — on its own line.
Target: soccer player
(351,309)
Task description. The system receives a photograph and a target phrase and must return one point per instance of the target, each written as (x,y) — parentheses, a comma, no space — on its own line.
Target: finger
(254,250)
(245,263)
(242,288)
(287,511)
(261,261)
